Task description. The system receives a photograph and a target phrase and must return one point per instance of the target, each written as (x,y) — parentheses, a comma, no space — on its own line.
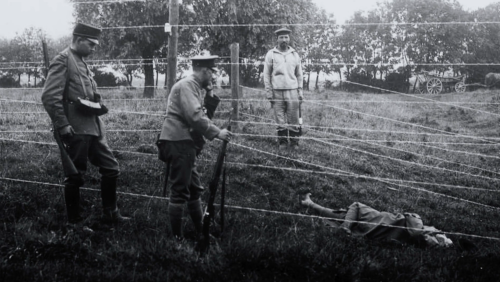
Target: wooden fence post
(235,79)
(45,58)
(172,44)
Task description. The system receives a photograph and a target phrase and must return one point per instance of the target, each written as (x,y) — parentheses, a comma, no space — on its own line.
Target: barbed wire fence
(481,140)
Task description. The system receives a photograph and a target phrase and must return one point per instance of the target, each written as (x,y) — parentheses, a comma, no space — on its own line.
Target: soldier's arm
(268,70)
(52,95)
(193,112)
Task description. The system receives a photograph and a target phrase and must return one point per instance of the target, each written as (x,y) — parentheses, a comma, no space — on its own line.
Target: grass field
(393,152)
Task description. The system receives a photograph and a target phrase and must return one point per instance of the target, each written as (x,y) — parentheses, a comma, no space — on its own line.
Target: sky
(56,19)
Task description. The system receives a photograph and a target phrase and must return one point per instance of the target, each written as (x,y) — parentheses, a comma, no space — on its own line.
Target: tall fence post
(45,58)
(172,44)
(235,79)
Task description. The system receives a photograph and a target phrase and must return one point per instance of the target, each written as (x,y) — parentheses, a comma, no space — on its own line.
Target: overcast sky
(55,16)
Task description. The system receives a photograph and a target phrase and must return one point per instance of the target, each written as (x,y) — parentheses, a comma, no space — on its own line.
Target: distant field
(396,153)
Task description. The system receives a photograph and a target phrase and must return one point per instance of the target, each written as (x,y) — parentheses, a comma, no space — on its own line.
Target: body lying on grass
(362,220)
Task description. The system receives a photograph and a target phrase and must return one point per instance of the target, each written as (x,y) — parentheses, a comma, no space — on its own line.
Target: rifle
(209,210)
(68,165)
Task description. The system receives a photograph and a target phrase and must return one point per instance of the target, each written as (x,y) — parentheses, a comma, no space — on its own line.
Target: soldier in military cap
(187,123)
(80,132)
(283,82)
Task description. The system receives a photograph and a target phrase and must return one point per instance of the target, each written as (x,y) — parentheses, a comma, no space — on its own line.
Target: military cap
(205,61)
(282,31)
(92,33)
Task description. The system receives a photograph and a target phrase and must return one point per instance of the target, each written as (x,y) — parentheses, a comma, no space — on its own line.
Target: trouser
(286,110)
(84,148)
(81,149)
(184,179)
(185,183)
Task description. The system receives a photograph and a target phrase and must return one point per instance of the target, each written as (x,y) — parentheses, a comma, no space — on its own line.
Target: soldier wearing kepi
(77,128)
(283,82)
(182,138)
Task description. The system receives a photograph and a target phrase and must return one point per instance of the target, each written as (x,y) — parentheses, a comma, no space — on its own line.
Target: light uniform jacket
(282,71)
(185,113)
(62,69)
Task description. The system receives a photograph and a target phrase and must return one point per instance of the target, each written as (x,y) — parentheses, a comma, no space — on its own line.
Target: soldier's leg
(292,115)
(77,151)
(280,109)
(181,155)
(322,211)
(101,156)
(194,204)
(351,217)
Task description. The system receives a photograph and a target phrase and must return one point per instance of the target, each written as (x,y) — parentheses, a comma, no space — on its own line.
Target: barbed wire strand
(449,135)
(446,133)
(339,172)
(255,209)
(422,143)
(402,122)
(302,24)
(282,168)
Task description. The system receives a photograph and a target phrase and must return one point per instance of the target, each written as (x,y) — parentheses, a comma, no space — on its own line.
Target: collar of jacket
(288,51)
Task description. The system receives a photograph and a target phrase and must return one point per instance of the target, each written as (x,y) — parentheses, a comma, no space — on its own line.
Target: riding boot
(110,210)
(283,138)
(72,199)
(175,212)
(196,213)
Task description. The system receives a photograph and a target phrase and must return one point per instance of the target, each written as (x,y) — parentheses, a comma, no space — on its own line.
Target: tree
(144,37)
(27,51)
(253,27)
(319,45)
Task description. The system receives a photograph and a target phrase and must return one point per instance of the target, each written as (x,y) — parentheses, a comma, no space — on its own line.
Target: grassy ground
(439,160)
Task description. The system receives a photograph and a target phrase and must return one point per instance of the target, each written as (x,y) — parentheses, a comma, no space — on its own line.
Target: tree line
(393,40)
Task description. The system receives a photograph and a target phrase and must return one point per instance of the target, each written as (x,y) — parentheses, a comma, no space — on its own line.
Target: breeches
(185,184)
(286,109)
(84,148)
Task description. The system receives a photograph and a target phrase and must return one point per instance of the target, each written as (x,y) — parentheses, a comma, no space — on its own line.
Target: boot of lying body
(110,211)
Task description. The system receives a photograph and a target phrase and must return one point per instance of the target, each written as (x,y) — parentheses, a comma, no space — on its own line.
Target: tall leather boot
(175,213)
(283,138)
(72,200)
(111,213)
(196,213)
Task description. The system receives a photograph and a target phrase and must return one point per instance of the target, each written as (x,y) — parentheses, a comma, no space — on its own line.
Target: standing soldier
(283,82)
(71,100)
(182,138)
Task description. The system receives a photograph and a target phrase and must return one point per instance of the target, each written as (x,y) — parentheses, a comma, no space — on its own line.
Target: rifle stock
(212,187)
(68,165)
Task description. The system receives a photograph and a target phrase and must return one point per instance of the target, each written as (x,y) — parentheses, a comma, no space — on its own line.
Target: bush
(8,81)
(105,79)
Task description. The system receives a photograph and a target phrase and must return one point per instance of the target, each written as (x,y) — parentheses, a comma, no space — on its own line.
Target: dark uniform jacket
(65,75)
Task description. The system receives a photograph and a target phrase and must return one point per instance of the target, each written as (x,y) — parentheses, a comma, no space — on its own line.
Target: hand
(301,94)
(225,135)
(209,88)
(66,131)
